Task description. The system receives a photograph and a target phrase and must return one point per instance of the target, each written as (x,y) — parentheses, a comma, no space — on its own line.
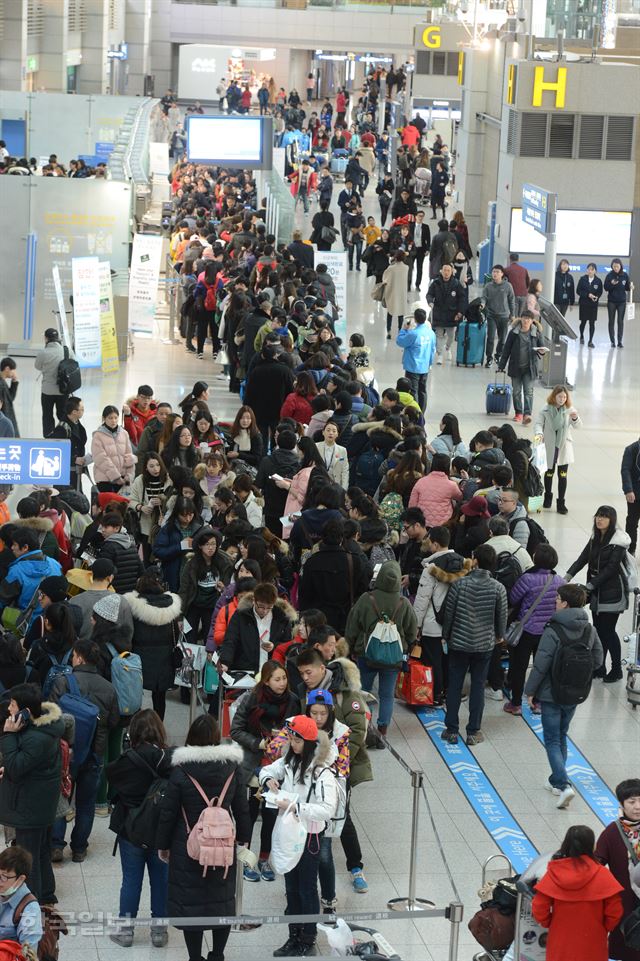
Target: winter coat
(433,494)
(254,509)
(296,407)
(564,290)
(616,285)
(136,421)
(155,632)
(490,457)
(84,603)
(518,527)
(129,782)
(250,738)
(437,253)
(331,580)
(267,387)
(524,593)
(518,277)
(7,396)
(499,299)
(419,348)
(439,571)
(167,548)
(446,298)
(30,785)
(140,496)
(221,566)
(504,543)
(101,693)
(285,463)
(589,285)
(396,278)
(605,576)
(443,444)
(319,784)
(630,469)
(387,595)
(308,528)
(48,360)
(148,441)
(579,901)
(475,613)
(254,454)
(556,426)
(121,550)
(74,432)
(572,621)
(612,851)
(113,457)
(23,580)
(191,894)
(240,650)
(43,527)
(336,461)
(511,352)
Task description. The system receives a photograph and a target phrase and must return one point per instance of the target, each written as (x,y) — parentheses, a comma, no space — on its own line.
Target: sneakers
(102,810)
(488,363)
(450,736)
(439,359)
(591,344)
(518,418)
(250,874)
(266,871)
(473,739)
(448,356)
(57,855)
(566,797)
(159,936)
(360,885)
(493,695)
(526,419)
(200,356)
(328,907)
(511,708)
(552,789)
(124,937)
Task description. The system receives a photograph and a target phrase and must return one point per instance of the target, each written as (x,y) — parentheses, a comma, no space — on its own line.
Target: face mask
(9,891)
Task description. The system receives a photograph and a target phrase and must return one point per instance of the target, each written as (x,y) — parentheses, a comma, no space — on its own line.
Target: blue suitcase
(339,165)
(471,341)
(498,399)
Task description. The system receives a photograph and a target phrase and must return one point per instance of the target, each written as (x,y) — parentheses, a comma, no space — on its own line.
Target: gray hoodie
(572,620)
(499,299)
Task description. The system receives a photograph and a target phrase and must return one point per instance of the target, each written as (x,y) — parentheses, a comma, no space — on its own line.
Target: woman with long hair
(617,847)
(148,497)
(202,769)
(54,647)
(155,613)
(205,434)
(175,538)
(461,232)
(260,714)
(604,557)
(297,486)
(214,472)
(203,578)
(554,428)
(578,900)
(246,440)
(449,440)
(297,404)
(131,776)
(402,478)
(173,420)
(113,457)
(200,392)
(533,293)
(181,450)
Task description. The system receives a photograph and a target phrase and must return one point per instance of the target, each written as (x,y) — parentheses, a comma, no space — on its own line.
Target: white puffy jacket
(319,784)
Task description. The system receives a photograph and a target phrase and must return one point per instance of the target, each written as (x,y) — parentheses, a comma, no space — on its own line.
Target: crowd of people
(30,167)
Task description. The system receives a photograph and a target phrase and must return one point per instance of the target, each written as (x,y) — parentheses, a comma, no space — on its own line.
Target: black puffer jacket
(475,613)
(240,649)
(605,573)
(122,552)
(245,733)
(30,785)
(190,894)
(489,458)
(154,636)
(324,583)
(130,781)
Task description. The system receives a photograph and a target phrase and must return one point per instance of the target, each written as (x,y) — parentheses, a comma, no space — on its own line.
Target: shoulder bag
(515,631)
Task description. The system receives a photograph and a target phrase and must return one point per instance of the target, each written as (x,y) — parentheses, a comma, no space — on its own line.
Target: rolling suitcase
(498,398)
(471,341)
(338,166)
(633,666)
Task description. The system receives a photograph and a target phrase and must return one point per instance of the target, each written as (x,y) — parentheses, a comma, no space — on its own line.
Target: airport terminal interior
(536,104)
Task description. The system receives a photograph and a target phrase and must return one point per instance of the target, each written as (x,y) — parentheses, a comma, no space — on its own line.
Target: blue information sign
(40,462)
(539,208)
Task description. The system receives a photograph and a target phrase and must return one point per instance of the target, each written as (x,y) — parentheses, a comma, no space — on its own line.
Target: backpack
(392,509)
(383,647)
(533,486)
(57,668)
(536,533)
(141,822)
(52,927)
(68,378)
(210,298)
(572,667)
(630,572)
(371,395)
(367,472)
(507,569)
(449,250)
(212,840)
(126,677)
(86,715)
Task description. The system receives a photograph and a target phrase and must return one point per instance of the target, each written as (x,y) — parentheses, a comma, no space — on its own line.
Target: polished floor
(605,729)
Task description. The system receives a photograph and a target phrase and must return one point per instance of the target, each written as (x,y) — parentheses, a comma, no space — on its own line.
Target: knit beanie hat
(108,607)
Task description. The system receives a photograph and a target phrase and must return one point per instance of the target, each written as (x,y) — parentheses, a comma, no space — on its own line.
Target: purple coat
(524,592)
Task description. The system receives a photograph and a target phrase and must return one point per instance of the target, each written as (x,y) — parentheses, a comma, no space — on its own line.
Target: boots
(548,491)
(379,743)
(561,506)
(548,499)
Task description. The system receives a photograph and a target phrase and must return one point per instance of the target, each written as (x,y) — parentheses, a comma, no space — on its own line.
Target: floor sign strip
(585,780)
(480,793)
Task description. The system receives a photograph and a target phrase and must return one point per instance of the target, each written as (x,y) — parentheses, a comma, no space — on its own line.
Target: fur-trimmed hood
(40,524)
(324,754)
(619,538)
(154,609)
(367,425)
(50,713)
(379,428)
(449,568)
(345,675)
(217,754)
(281,605)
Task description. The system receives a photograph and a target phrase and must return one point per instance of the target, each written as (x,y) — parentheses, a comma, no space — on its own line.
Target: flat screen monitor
(244,142)
(554,318)
(586,233)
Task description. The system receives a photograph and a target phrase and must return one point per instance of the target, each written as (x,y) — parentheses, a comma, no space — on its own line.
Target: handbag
(328,235)
(515,631)
(288,840)
(539,458)
(377,292)
(210,677)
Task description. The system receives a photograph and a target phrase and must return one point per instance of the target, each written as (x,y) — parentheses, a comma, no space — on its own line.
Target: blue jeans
(87,780)
(327,871)
(556,719)
(133,861)
(523,389)
(478,667)
(301,886)
(387,677)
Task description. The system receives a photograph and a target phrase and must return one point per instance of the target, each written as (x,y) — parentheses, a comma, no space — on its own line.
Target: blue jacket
(25,573)
(168,549)
(29,929)
(419,348)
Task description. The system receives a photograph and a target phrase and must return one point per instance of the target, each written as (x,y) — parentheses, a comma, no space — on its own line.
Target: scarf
(270,710)
(632,831)
(243,440)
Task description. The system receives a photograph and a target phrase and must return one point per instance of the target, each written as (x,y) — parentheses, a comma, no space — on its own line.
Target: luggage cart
(529,937)
(373,947)
(633,654)
(502,869)
(227,694)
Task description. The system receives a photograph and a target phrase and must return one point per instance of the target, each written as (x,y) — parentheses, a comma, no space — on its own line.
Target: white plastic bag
(539,458)
(288,840)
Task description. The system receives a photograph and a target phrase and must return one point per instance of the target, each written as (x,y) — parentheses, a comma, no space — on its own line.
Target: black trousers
(433,655)
(389,320)
(616,311)
(518,663)
(351,844)
(269,816)
(563,470)
(49,401)
(41,880)
(420,254)
(193,941)
(631,525)
(605,625)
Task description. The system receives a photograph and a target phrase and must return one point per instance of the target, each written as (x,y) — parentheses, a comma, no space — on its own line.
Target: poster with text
(143,282)
(108,339)
(336,262)
(85,278)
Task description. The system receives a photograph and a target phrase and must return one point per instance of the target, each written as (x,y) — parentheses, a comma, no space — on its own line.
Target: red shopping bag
(416,685)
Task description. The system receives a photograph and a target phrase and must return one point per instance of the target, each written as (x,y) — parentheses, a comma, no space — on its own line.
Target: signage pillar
(539,209)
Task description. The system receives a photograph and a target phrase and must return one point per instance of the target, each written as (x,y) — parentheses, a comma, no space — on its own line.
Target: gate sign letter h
(540,85)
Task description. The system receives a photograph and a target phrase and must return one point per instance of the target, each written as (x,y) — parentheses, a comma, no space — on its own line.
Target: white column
(92,75)
(52,60)
(161,45)
(138,37)
(13,46)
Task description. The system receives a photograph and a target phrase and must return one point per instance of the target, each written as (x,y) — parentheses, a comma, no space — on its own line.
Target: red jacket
(296,407)
(312,181)
(341,103)
(137,420)
(579,901)
(410,136)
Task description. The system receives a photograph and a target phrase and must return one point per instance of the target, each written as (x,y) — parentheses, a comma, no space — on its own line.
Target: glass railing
(280,206)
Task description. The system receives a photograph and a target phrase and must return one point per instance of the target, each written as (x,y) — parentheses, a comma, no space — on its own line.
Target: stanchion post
(412,903)
(193,696)
(454,913)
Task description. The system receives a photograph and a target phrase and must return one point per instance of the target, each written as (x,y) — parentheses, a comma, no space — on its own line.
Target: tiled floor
(605,729)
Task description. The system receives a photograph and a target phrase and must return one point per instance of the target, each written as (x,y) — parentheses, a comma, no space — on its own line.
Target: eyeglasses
(7,877)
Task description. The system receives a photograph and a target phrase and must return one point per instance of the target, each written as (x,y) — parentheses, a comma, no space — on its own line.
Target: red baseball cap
(105,498)
(304,726)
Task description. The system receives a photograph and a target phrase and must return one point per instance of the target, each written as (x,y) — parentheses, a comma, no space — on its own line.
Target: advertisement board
(143,282)
(336,262)
(85,276)
(108,339)
(588,233)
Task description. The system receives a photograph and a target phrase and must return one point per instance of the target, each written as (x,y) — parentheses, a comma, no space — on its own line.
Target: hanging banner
(85,278)
(143,282)
(108,338)
(66,340)
(337,269)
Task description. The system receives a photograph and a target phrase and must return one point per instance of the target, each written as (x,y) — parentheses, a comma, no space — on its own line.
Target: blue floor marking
(480,793)
(586,781)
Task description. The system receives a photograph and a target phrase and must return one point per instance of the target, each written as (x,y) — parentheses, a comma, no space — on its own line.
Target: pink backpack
(211,841)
